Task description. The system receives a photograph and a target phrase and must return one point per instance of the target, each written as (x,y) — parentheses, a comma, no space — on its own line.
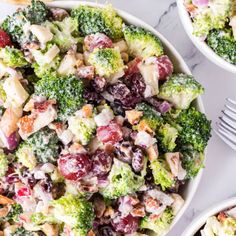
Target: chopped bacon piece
(43,106)
(26,124)
(133,66)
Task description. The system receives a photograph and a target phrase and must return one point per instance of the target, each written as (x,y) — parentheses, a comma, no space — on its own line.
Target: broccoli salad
(224,223)
(97,132)
(214,21)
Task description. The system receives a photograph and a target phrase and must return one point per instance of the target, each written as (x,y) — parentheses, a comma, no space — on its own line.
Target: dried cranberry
(117,108)
(137,160)
(98,40)
(92,97)
(74,166)
(119,91)
(5,39)
(102,162)
(99,84)
(136,83)
(12,178)
(47,184)
(111,133)
(124,151)
(165,67)
(106,231)
(131,100)
(126,225)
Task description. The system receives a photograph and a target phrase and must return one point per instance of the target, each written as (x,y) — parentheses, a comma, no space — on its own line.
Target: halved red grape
(101,163)
(5,39)
(98,40)
(127,224)
(165,67)
(74,166)
(111,133)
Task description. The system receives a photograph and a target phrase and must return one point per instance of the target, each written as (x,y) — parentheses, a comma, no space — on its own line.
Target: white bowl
(200,221)
(189,189)
(202,46)
(180,66)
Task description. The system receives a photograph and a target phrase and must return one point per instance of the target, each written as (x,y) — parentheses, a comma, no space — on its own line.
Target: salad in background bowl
(102,129)
(211,24)
(219,220)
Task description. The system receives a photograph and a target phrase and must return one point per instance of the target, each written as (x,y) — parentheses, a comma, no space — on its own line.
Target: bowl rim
(201,45)
(200,220)
(69,4)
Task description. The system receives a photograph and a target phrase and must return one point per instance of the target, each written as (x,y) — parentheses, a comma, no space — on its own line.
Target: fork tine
(229,143)
(231,101)
(230,108)
(227,127)
(229,114)
(228,121)
(227,135)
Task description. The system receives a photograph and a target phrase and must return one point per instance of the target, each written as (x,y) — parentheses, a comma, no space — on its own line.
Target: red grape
(102,162)
(165,67)
(97,40)
(111,133)
(74,166)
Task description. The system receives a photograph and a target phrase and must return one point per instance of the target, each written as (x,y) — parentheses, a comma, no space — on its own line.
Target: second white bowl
(202,46)
(200,221)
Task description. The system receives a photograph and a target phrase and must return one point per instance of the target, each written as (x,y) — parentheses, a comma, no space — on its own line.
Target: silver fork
(226,127)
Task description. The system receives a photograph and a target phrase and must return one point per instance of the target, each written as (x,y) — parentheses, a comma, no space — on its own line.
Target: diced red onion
(201,3)
(164,107)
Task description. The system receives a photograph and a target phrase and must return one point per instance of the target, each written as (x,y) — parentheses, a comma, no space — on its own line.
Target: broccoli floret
(161,225)
(12,57)
(194,130)
(65,33)
(181,90)
(98,20)
(3,163)
(39,218)
(142,43)
(41,65)
(162,174)
(76,212)
(106,61)
(35,14)
(192,162)
(23,232)
(223,44)
(13,213)
(82,128)
(41,147)
(151,117)
(122,181)
(67,91)
(213,17)
(167,136)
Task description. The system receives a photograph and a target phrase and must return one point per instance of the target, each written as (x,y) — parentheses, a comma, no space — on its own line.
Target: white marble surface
(218,180)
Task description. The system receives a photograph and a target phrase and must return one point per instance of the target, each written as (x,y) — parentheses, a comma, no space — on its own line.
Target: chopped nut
(133,116)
